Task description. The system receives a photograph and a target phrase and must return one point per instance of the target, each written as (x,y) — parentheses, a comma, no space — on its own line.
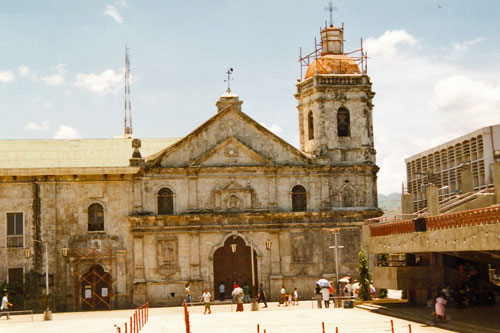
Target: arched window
(299,201)
(165,202)
(310,125)
(343,122)
(96,217)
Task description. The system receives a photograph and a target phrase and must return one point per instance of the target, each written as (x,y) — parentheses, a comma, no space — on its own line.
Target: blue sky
(433,64)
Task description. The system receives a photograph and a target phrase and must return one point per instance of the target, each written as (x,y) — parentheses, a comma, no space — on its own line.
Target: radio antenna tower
(128,107)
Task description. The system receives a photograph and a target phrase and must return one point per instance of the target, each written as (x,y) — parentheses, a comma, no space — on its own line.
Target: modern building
(445,163)
(125,221)
(445,239)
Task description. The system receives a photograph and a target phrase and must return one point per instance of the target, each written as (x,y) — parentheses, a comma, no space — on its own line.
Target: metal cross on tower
(331,8)
(128,107)
(229,72)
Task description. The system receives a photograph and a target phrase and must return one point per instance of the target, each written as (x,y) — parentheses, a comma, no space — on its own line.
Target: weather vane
(331,8)
(229,72)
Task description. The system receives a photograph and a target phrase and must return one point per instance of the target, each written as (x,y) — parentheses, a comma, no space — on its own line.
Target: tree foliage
(364,277)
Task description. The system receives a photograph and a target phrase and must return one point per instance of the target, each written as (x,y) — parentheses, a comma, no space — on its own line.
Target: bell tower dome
(335,103)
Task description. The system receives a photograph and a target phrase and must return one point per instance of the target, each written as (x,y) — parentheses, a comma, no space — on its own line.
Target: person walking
(246,291)
(188,295)
(222,290)
(262,295)
(283,297)
(5,306)
(439,314)
(295,298)
(317,295)
(326,296)
(206,298)
(238,297)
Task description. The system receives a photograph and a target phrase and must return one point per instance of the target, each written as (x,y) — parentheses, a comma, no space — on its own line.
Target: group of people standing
(239,296)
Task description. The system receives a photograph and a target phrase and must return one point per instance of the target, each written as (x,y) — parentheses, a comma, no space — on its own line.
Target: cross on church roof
(229,72)
(331,8)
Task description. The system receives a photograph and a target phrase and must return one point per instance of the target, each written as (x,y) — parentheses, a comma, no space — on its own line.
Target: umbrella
(323,283)
(345,279)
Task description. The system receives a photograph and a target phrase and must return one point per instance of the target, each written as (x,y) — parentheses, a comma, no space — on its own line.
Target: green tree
(364,277)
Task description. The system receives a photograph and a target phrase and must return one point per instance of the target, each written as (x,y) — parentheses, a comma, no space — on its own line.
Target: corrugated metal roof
(80,153)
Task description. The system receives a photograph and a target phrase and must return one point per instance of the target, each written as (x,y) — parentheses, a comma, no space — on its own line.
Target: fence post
(392,326)
(323,326)
(119,330)
(336,329)
(131,329)
(409,328)
(125,327)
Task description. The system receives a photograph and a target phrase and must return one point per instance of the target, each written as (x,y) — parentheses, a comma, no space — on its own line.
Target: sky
(433,65)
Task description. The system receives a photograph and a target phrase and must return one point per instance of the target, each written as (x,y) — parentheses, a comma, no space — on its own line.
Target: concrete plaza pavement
(302,318)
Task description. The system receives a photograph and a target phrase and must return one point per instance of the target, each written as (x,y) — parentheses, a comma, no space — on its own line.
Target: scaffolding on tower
(359,55)
(128,133)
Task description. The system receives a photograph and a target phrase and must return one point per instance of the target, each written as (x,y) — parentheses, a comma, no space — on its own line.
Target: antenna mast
(127,105)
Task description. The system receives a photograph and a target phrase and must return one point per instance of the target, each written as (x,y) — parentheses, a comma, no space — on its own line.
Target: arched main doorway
(230,267)
(96,289)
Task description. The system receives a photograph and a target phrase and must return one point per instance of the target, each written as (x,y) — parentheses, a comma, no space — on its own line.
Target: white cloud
(43,126)
(466,45)
(61,69)
(53,80)
(388,44)
(122,3)
(6,76)
(23,70)
(66,132)
(276,129)
(468,104)
(103,83)
(111,11)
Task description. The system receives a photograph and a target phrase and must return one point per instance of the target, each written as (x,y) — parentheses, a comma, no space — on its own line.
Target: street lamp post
(335,233)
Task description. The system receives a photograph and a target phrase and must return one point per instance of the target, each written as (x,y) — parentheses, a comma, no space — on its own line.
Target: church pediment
(229,138)
(230,152)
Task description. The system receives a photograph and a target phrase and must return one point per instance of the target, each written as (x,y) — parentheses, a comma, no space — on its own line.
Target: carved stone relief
(166,254)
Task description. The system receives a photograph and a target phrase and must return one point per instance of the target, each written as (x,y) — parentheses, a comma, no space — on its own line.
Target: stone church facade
(230,202)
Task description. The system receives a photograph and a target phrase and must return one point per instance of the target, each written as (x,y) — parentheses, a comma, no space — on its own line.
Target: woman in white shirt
(206,298)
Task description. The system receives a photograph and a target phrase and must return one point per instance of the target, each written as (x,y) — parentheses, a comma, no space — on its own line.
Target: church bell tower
(335,103)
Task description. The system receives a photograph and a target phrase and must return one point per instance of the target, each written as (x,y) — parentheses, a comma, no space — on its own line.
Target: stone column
(466,181)
(406,203)
(495,173)
(273,202)
(139,293)
(193,192)
(431,193)
(121,279)
(194,250)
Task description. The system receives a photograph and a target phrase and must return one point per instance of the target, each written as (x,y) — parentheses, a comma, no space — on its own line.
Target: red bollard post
(125,327)
(139,314)
(258,328)
(186,318)
(323,325)
(131,329)
(119,330)
(409,328)
(136,328)
(142,316)
(392,326)
(336,329)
